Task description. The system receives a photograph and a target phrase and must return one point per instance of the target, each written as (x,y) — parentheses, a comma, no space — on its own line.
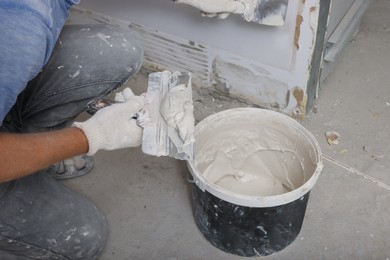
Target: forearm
(24,154)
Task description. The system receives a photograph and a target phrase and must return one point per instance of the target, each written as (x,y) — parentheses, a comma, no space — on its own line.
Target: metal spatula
(159,138)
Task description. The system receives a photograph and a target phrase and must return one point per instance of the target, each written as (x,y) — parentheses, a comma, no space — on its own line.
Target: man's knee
(86,240)
(101,52)
(41,217)
(88,63)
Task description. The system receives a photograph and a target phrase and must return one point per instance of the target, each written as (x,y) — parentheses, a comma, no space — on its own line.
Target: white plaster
(276,20)
(178,112)
(255,157)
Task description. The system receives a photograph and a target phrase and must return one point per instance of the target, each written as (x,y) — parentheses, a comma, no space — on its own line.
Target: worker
(49,73)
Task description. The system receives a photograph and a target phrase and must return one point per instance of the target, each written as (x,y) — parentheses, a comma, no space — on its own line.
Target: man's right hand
(114,127)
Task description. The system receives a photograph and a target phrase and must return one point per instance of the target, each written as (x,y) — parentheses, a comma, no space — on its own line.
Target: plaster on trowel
(167,118)
(168,115)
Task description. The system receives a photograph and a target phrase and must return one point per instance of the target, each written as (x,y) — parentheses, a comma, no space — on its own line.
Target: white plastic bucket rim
(258,201)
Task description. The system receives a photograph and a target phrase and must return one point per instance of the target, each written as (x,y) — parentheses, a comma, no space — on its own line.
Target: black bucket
(253,222)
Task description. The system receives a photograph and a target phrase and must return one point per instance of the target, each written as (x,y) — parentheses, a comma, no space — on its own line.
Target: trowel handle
(96,105)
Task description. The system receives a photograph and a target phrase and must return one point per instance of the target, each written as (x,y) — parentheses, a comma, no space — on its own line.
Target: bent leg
(87,63)
(41,218)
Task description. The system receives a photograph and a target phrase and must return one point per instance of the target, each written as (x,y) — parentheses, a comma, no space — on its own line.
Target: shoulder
(23,51)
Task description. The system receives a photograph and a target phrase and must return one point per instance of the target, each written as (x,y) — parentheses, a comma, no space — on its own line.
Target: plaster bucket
(252,175)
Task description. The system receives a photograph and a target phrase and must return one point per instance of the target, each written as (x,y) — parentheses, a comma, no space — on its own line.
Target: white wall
(270,45)
(268,66)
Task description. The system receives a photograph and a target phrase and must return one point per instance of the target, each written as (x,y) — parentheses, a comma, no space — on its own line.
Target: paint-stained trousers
(39,217)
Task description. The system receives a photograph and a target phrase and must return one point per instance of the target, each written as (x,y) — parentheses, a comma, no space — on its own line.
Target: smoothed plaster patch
(244,82)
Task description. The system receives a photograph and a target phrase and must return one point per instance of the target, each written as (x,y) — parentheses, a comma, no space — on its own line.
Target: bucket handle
(190,178)
(193,178)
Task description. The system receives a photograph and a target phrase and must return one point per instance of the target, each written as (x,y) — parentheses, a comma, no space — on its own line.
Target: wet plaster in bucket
(254,158)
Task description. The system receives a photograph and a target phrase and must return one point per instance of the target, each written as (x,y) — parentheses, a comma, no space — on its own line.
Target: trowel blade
(160,139)
(270,12)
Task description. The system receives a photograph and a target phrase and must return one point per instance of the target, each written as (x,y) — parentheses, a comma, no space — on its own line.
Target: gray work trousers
(39,217)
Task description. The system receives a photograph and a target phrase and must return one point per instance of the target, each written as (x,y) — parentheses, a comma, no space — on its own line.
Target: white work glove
(114,127)
(222,8)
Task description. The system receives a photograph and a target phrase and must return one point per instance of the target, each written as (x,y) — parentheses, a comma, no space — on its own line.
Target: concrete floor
(147,199)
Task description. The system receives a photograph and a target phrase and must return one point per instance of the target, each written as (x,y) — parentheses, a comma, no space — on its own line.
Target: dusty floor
(147,199)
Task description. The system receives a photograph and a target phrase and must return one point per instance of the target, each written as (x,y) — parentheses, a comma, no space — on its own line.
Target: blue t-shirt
(29,30)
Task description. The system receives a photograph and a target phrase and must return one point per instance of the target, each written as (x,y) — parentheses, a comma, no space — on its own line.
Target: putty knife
(159,138)
(270,12)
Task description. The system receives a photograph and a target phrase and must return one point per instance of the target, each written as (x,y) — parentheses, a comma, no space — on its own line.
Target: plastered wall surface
(261,64)
(271,45)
